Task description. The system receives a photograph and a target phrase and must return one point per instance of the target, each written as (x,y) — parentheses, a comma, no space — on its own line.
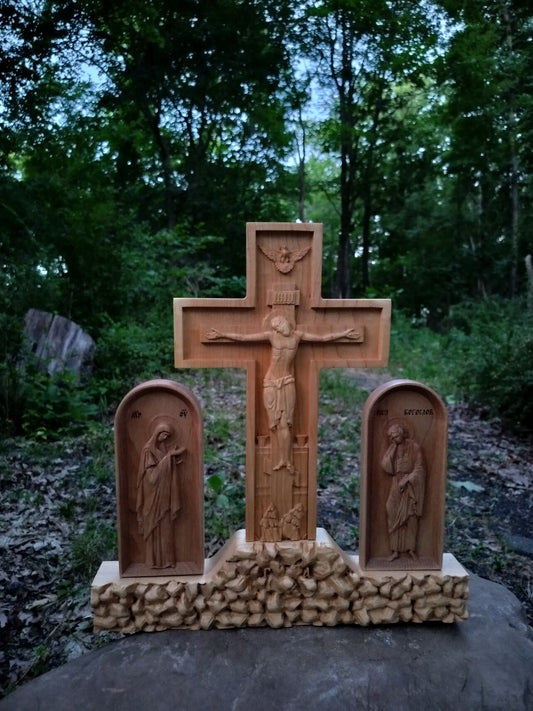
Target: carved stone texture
(403,478)
(265,584)
(283,332)
(159,468)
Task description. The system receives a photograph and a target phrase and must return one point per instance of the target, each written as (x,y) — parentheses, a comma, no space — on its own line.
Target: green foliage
(364,53)
(492,345)
(349,492)
(328,467)
(335,387)
(51,405)
(198,88)
(483,354)
(419,353)
(100,468)
(340,405)
(127,354)
(123,190)
(97,542)
(41,661)
(171,263)
(136,347)
(224,500)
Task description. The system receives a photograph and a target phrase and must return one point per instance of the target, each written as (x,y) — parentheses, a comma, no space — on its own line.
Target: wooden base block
(257,584)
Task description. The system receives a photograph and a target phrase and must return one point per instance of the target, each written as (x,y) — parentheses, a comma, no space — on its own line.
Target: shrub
(47,405)
(492,345)
(97,542)
(419,353)
(129,353)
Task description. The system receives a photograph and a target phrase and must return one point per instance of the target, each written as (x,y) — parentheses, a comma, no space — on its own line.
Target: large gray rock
(59,344)
(483,663)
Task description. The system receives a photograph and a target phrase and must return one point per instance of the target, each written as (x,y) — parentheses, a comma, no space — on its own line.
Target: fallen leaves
(468,485)
(44,605)
(53,493)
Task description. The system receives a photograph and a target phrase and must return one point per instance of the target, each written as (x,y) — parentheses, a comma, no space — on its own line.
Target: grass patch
(483,354)
(419,353)
(337,391)
(224,506)
(96,543)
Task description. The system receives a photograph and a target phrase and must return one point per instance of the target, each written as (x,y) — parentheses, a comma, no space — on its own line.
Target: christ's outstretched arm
(214,334)
(350,333)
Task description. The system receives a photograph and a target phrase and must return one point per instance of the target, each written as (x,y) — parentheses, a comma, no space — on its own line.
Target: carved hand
(213,334)
(177,452)
(404,481)
(352,333)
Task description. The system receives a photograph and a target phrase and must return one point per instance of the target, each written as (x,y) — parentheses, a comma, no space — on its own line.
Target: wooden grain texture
(281,333)
(403,478)
(278,585)
(159,469)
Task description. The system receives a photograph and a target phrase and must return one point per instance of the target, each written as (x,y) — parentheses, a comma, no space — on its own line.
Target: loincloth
(279,397)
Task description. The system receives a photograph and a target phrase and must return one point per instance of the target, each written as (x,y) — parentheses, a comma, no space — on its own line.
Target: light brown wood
(159,468)
(278,585)
(282,333)
(403,478)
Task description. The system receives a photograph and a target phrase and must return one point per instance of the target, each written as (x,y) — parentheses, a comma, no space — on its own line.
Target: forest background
(137,138)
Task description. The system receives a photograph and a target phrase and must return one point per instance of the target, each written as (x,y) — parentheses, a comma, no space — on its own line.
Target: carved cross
(282,333)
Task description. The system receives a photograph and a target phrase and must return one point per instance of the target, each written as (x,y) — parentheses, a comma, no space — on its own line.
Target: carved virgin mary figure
(158,495)
(404,462)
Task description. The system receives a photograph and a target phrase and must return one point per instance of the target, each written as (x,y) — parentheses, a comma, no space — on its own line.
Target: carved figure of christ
(282,333)
(279,389)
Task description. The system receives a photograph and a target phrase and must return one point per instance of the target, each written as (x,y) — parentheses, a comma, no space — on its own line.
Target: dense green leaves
(138,137)
(365,53)
(202,85)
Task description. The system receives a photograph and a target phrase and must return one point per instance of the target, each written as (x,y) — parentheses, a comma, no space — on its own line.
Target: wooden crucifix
(282,333)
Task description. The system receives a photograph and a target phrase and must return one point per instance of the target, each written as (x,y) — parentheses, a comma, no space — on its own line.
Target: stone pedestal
(258,584)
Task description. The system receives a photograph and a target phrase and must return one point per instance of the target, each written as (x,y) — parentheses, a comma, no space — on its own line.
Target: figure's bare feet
(413,555)
(393,556)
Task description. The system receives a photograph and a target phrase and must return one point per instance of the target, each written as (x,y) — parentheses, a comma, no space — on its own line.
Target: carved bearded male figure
(279,385)
(158,495)
(279,388)
(404,462)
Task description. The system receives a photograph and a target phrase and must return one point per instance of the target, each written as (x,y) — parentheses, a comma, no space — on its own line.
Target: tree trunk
(529,272)
(345,87)
(301,150)
(367,215)
(342,274)
(514,193)
(166,164)
(367,192)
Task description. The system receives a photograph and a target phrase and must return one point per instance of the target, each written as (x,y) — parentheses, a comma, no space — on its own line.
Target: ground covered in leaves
(57,519)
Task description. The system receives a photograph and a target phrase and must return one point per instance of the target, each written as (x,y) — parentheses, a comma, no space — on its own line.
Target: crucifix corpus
(282,333)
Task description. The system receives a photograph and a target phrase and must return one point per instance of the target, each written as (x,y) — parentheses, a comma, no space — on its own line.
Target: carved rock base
(278,585)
